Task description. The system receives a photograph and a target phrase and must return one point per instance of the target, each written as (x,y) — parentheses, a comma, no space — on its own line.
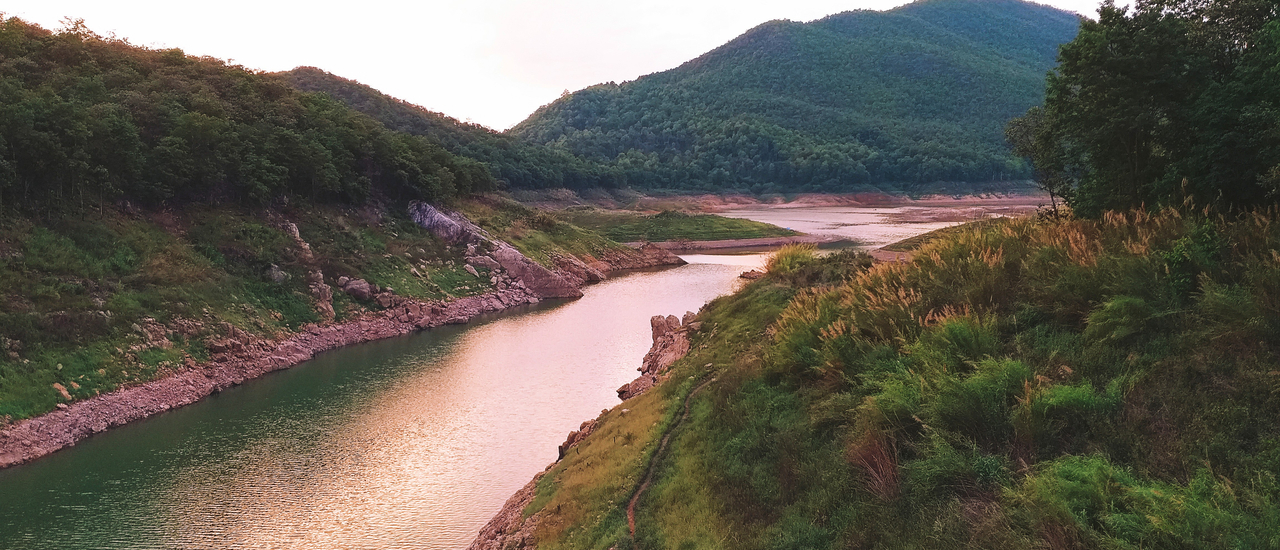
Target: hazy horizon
(489,62)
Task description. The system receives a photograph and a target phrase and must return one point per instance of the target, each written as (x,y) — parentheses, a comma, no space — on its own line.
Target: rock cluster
(577,436)
(454,228)
(509,529)
(322,293)
(670,344)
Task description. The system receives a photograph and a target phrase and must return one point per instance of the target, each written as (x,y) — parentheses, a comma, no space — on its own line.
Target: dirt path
(656,458)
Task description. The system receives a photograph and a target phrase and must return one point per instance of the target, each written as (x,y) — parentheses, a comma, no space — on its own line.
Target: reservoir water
(412,442)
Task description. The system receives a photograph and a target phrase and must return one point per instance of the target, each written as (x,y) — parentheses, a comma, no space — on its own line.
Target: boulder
(637,386)
(322,293)
(541,281)
(453,229)
(577,269)
(277,275)
(359,289)
(577,436)
(483,261)
(658,325)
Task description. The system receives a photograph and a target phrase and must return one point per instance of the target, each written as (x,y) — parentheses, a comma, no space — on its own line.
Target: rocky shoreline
(240,356)
(246,358)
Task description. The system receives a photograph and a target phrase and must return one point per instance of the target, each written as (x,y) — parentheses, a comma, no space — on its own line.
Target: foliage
(536,233)
(856,101)
(511,161)
(86,295)
(85,119)
(1169,102)
(1019,384)
(668,225)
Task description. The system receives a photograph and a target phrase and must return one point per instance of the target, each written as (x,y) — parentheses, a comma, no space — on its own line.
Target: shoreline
(250,357)
(29,439)
(758,242)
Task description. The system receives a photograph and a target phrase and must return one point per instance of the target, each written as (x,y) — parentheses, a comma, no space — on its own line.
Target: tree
(1175,100)
(1033,139)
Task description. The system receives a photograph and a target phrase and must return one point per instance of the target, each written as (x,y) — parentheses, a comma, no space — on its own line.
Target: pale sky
(492,62)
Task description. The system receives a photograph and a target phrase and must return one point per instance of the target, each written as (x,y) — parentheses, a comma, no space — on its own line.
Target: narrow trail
(657,456)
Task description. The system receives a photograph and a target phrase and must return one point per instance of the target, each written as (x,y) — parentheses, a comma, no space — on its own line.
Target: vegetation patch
(668,225)
(97,298)
(535,233)
(1020,383)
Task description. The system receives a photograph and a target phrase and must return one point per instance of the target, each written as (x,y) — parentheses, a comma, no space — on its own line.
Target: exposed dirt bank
(240,356)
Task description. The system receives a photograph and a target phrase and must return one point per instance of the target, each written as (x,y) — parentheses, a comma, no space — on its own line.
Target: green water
(412,442)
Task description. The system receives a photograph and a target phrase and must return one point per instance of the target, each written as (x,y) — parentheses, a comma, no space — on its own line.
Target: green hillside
(515,162)
(85,118)
(1020,384)
(891,99)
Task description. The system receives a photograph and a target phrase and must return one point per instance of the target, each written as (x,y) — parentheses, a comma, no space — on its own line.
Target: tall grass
(1051,383)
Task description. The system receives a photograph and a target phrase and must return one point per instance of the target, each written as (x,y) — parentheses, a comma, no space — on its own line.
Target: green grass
(624,226)
(912,244)
(79,285)
(535,233)
(1018,384)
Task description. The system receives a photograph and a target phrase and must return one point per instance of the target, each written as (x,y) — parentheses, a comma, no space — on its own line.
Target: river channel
(412,442)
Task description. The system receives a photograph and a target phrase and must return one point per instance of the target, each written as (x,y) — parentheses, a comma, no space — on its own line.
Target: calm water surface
(413,442)
(872,227)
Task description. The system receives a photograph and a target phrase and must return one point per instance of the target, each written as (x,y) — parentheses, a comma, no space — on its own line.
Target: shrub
(1118,319)
(978,406)
(790,258)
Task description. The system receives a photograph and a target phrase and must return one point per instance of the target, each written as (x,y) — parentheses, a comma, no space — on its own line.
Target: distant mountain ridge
(510,160)
(891,99)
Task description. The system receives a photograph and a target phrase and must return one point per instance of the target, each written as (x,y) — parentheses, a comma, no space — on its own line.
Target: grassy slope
(1020,384)
(912,244)
(668,225)
(80,287)
(535,233)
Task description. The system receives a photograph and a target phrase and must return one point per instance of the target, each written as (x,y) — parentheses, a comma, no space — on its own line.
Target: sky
(492,62)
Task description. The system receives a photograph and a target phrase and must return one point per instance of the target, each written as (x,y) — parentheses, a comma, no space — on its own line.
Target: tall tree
(1175,99)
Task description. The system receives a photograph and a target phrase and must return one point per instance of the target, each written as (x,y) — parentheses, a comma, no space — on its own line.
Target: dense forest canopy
(86,118)
(1171,101)
(512,161)
(913,95)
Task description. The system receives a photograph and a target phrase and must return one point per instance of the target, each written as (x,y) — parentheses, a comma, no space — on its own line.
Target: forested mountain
(515,162)
(87,118)
(891,99)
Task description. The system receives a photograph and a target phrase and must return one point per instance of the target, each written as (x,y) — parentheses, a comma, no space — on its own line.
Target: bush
(790,258)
